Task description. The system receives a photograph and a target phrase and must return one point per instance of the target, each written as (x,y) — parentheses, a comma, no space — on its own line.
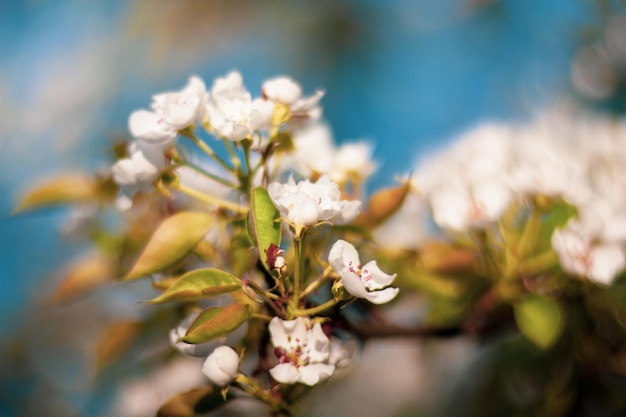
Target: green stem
(317,309)
(314,285)
(206,148)
(269,298)
(211,199)
(298,245)
(246,154)
(253,388)
(260,317)
(207,174)
(233,155)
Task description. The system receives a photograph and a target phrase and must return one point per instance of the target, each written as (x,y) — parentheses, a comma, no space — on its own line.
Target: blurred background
(406,75)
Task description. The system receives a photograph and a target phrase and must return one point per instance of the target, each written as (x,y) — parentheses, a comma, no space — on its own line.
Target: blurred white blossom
(181,109)
(231,111)
(137,172)
(288,92)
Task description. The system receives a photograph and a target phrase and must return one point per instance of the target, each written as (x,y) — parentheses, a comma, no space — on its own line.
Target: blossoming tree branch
(253,228)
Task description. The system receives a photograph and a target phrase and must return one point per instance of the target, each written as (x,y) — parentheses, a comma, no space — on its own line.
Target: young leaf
(263,223)
(115,340)
(191,403)
(174,238)
(69,188)
(82,276)
(540,319)
(383,205)
(217,322)
(200,283)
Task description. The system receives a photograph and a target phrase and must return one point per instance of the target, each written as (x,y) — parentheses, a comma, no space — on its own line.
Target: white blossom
(362,281)
(307,203)
(137,172)
(468,186)
(150,127)
(282,89)
(581,254)
(316,153)
(181,109)
(222,366)
(231,111)
(343,353)
(288,92)
(303,351)
(143,395)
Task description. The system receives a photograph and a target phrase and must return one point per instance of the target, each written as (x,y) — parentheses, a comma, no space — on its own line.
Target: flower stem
(260,317)
(214,177)
(298,245)
(211,199)
(253,388)
(314,285)
(317,309)
(269,298)
(233,155)
(206,148)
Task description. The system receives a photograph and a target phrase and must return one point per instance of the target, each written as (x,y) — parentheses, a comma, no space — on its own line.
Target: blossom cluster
(580,160)
(270,141)
(271,252)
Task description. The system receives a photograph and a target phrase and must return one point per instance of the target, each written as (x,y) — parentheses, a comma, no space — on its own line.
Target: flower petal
(379,279)
(343,255)
(382,296)
(315,372)
(285,373)
(318,344)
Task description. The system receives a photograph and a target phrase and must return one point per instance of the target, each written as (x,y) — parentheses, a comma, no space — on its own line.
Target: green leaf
(200,283)
(263,223)
(64,189)
(540,319)
(217,322)
(191,403)
(174,238)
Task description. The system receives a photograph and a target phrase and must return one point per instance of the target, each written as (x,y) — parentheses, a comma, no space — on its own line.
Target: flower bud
(222,366)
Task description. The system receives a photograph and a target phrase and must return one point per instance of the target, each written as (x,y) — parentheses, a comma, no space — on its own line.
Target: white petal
(285,373)
(282,89)
(304,211)
(260,114)
(151,127)
(343,255)
(382,296)
(606,262)
(379,279)
(124,199)
(349,211)
(124,172)
(315,372)
(353,284)
(318,344)
(285,332)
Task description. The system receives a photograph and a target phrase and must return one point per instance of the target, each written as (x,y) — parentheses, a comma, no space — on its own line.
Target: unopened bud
(222,366)
(274,257)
